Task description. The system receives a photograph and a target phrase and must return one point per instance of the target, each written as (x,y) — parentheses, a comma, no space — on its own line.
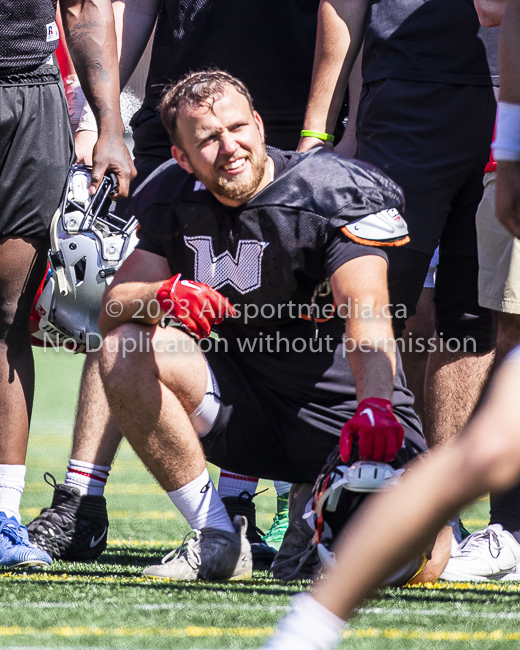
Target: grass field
(108,604)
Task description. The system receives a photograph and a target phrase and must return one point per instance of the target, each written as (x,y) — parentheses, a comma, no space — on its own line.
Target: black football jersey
(28,33)
(271,258)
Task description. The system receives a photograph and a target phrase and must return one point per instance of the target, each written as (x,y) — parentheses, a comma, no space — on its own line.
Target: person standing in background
(36,151)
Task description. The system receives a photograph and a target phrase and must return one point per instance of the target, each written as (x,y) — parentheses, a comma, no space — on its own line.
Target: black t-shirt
(429,40)
(269,257)
(28,34)
(268,44)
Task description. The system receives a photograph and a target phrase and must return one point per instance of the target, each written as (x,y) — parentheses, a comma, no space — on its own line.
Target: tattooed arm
(90,35)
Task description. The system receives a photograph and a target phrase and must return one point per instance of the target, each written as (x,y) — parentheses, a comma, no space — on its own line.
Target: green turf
(108,605)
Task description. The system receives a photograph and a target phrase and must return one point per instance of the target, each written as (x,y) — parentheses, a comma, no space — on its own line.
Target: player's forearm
(130,302)
(341,25)
(509,47)
(361,294)
(135,20)
(89,30)
(371,354)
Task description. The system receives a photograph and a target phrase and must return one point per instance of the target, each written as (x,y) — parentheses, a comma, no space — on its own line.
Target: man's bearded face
(223,145)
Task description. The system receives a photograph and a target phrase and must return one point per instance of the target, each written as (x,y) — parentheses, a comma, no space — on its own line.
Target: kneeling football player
(245,238)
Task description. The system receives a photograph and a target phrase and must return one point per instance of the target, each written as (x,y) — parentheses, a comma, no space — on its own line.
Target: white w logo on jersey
(243,272)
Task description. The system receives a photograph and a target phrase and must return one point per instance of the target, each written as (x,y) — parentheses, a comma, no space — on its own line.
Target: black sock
(505,510)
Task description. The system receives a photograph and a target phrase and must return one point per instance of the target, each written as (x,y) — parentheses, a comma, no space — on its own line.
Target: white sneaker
(208,554)
(489,554)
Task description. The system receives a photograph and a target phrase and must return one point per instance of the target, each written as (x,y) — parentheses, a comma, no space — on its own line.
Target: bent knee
(123,354)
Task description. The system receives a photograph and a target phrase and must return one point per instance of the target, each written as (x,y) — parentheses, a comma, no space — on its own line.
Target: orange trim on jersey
(370,242)
(319,320)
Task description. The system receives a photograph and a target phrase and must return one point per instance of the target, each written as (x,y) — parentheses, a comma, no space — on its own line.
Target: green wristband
(317,134)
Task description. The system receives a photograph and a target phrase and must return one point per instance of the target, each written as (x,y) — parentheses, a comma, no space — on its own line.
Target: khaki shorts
(498,257)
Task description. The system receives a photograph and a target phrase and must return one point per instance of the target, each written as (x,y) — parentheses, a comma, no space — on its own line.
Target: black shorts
(36,151)
(433,139)
(261,434)
(460,321)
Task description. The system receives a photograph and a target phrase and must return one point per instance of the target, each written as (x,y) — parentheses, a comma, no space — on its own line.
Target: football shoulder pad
(352,195)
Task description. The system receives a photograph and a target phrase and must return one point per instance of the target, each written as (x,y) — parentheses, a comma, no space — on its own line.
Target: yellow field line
(133,489)
(194,631)
(149,514)
(442,635)
(473,586)
(114,579)
(120,488)
(190,631)
(138,543)
(65,578)
(169,515)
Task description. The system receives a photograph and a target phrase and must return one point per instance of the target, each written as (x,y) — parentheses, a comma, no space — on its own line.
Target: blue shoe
(15,548)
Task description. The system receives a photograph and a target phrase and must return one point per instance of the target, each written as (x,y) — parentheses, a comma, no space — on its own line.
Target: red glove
(379,432)
(194,304)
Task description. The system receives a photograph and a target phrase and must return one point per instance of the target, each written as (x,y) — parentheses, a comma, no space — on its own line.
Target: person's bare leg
(372,547)
(508,334)
(440,554)
(75,525)
(419,328)
(151,395)
(486,456)
(505,508)
(453,384)
(22,266)
(96,433)
(154,379)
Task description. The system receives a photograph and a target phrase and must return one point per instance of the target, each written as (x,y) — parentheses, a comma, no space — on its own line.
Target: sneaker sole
(473,578)
(38,563)
(243,576)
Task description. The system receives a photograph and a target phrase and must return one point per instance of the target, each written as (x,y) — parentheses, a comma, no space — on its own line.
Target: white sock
(232,485)
(201,505)
(282,487)
(309,626)
(87,477)
(12,483)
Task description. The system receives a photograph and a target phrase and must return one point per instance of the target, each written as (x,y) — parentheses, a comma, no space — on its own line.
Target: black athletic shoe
(75,527)
(297,558)
(243,505)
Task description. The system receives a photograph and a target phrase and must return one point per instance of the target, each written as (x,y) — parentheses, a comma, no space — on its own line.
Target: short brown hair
(201,88)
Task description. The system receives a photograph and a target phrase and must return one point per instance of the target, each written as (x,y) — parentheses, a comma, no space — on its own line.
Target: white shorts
(498,257)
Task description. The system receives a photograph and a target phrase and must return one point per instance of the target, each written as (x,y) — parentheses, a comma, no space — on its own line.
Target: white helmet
(88,244)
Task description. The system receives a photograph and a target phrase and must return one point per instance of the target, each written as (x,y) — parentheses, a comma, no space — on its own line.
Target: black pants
(433,139)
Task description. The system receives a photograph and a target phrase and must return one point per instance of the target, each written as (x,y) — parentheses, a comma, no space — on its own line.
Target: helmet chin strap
(61,278)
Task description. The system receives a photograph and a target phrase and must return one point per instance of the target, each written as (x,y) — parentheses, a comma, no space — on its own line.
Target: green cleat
(275,534)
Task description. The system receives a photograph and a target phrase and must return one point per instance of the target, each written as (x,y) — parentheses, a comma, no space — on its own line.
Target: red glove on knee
(194,304)
(379,433)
